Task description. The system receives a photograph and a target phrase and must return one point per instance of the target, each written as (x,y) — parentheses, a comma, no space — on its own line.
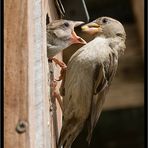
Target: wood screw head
(21,126)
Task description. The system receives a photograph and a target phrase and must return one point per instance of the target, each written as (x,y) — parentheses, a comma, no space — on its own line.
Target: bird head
(105,26)
(61,32)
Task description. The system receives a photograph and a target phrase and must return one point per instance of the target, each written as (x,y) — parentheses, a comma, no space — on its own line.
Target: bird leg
(63,68)
(56,94)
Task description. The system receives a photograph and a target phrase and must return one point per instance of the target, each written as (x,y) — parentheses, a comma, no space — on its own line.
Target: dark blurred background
(121,124)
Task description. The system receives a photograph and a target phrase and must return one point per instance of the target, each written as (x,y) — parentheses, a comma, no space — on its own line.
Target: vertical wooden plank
(15,73)
(51,10)
(38,71)
(31,74)
(38,75)
(138,9)
(25,71)
(45,78)
(55,114)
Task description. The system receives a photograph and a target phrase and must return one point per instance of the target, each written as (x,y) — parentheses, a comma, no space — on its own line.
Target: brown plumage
(89,74)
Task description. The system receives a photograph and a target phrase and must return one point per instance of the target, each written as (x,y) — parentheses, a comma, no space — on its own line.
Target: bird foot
(63,68)
(56,94)
(62,73)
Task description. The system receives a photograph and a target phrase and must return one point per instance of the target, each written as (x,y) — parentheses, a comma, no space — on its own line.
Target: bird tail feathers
(69,132)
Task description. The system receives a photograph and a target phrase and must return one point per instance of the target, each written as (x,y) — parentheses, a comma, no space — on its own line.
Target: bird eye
(66,24)
(104,20)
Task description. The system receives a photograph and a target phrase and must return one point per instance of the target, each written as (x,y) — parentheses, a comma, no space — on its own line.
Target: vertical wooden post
(38,80)
(28,123)
(15,73)
(26,106)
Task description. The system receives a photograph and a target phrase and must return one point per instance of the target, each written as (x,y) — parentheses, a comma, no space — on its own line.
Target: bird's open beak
(77,23)
(74,37)
(91,28)
(77,39)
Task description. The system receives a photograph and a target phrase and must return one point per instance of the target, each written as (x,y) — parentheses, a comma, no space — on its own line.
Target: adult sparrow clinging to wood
(89,74)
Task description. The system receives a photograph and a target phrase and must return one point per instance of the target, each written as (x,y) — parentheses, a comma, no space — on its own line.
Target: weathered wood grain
(25,74)
(15,72)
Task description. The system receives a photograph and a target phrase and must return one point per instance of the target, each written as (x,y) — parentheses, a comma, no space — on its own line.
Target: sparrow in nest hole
(60,35)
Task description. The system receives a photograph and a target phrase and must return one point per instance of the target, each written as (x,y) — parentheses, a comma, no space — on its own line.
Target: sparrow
(89,74)
(60,35)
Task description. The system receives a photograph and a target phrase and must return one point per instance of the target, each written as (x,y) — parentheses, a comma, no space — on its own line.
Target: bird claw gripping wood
(63,68)
(55,94)
(62,73)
